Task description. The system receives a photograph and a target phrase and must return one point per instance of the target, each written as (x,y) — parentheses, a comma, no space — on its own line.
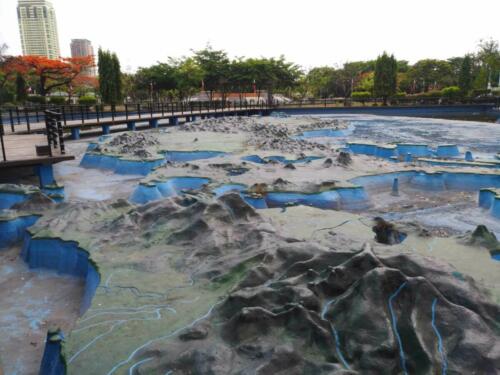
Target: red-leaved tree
(50,73)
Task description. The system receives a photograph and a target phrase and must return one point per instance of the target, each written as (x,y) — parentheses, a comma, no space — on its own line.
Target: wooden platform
(20,151)
(22,128)
(20,146)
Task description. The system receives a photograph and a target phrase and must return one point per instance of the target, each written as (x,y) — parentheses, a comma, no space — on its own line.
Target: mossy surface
(147,292)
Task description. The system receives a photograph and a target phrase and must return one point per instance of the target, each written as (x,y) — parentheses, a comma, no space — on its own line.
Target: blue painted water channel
(142,167)
(480,137)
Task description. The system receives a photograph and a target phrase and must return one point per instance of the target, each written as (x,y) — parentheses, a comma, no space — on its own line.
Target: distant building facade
(38,28)
(83,48)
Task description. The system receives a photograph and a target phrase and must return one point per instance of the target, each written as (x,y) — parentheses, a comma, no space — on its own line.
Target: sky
(307,32)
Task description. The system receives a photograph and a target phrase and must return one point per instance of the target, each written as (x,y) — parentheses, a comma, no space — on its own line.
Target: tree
(356,75)
(465,75)
(188,75)
(157,79)
(319,82)
(8,71)
(456,66)
(274,75)
(489,58)
(241,76)
(365,82)
(353,72)
(221,74)
(117,76)
(130,90)
(341,83)
(104,72)
(83,85)
(110,77)
(215,67)
(385,79)
(51,74)
(431,74)
(21,93)
(403,66)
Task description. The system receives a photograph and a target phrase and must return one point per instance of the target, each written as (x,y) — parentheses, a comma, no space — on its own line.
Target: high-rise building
(83,48)
(38,28)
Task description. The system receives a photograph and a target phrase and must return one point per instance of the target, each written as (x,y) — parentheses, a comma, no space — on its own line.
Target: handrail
(54,130)
(1,140)
(27,116)
(405,101)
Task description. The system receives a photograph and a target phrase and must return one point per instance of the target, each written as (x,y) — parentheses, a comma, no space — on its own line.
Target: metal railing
(54,131)
(14,116)
(403,102)
(2,144)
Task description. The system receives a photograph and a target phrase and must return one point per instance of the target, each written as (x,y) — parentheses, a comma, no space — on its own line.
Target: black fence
(2,144)
(54,132)
(14,116)
(404,101)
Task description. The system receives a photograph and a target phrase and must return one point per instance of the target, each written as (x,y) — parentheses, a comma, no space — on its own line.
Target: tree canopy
(385,78)
(49,73)
(214,72)
(214,68)
(110,77)
(465,75)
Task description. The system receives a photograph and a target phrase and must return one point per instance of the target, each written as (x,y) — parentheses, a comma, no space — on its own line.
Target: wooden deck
(20,151)
(20,146)
(145,117)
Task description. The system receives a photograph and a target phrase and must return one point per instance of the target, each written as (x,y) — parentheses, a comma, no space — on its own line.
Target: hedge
(87,100)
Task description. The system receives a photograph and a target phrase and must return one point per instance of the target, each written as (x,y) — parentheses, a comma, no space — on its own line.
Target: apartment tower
(83,48)
(38,28)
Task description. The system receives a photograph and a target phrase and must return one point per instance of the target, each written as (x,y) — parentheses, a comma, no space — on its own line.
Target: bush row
(451,92)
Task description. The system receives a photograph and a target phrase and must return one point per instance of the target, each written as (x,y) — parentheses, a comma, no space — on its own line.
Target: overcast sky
(308,32)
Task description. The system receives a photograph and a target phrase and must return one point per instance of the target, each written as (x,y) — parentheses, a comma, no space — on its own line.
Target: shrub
(428,95)
(361,95)
(399,95)
(57,100)
(6,96)
(451,92)
(87,100)
(433,94)
(38,99)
